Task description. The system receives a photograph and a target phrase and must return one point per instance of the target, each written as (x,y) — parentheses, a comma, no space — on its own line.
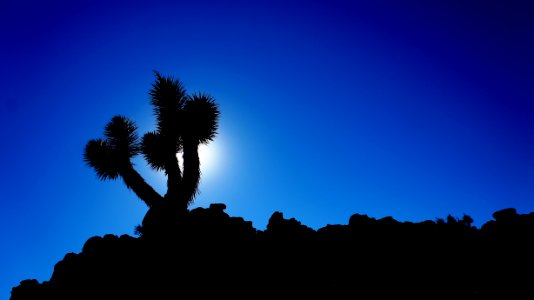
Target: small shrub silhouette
(183,122)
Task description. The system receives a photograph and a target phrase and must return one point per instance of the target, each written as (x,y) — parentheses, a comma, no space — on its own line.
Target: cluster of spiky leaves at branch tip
(184,121)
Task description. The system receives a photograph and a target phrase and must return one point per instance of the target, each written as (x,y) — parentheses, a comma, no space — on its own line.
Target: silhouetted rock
(505,215)
(289,230)
(211,254)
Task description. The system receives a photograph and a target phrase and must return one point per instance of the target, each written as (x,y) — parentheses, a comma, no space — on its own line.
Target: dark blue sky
(409,109)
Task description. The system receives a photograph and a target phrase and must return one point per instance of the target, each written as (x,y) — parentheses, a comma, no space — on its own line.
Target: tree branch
(138,185)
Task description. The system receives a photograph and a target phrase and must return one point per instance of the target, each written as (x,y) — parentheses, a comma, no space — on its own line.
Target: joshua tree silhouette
(184,121)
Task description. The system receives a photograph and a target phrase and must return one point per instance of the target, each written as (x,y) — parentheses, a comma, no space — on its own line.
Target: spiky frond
(201,118)
(122,136)
(154,148)
(101,156)
(168,97)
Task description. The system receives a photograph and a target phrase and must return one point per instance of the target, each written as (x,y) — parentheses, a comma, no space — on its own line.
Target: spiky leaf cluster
(121,134)
(154,148)
(110,155)
(100,156)
(201,118)
(168,97)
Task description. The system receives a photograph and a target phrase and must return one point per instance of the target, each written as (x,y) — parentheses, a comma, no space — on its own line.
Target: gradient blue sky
(409,109)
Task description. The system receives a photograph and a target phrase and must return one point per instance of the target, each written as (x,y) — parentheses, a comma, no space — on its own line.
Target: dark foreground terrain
(214,255)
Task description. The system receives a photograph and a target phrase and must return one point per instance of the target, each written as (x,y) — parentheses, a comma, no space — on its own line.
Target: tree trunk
(174,178)
(191,174)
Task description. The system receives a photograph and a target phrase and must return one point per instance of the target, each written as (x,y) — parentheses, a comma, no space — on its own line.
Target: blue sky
(409,109)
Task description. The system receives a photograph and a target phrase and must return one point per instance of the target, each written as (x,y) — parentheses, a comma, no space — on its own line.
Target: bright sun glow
(208,158)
